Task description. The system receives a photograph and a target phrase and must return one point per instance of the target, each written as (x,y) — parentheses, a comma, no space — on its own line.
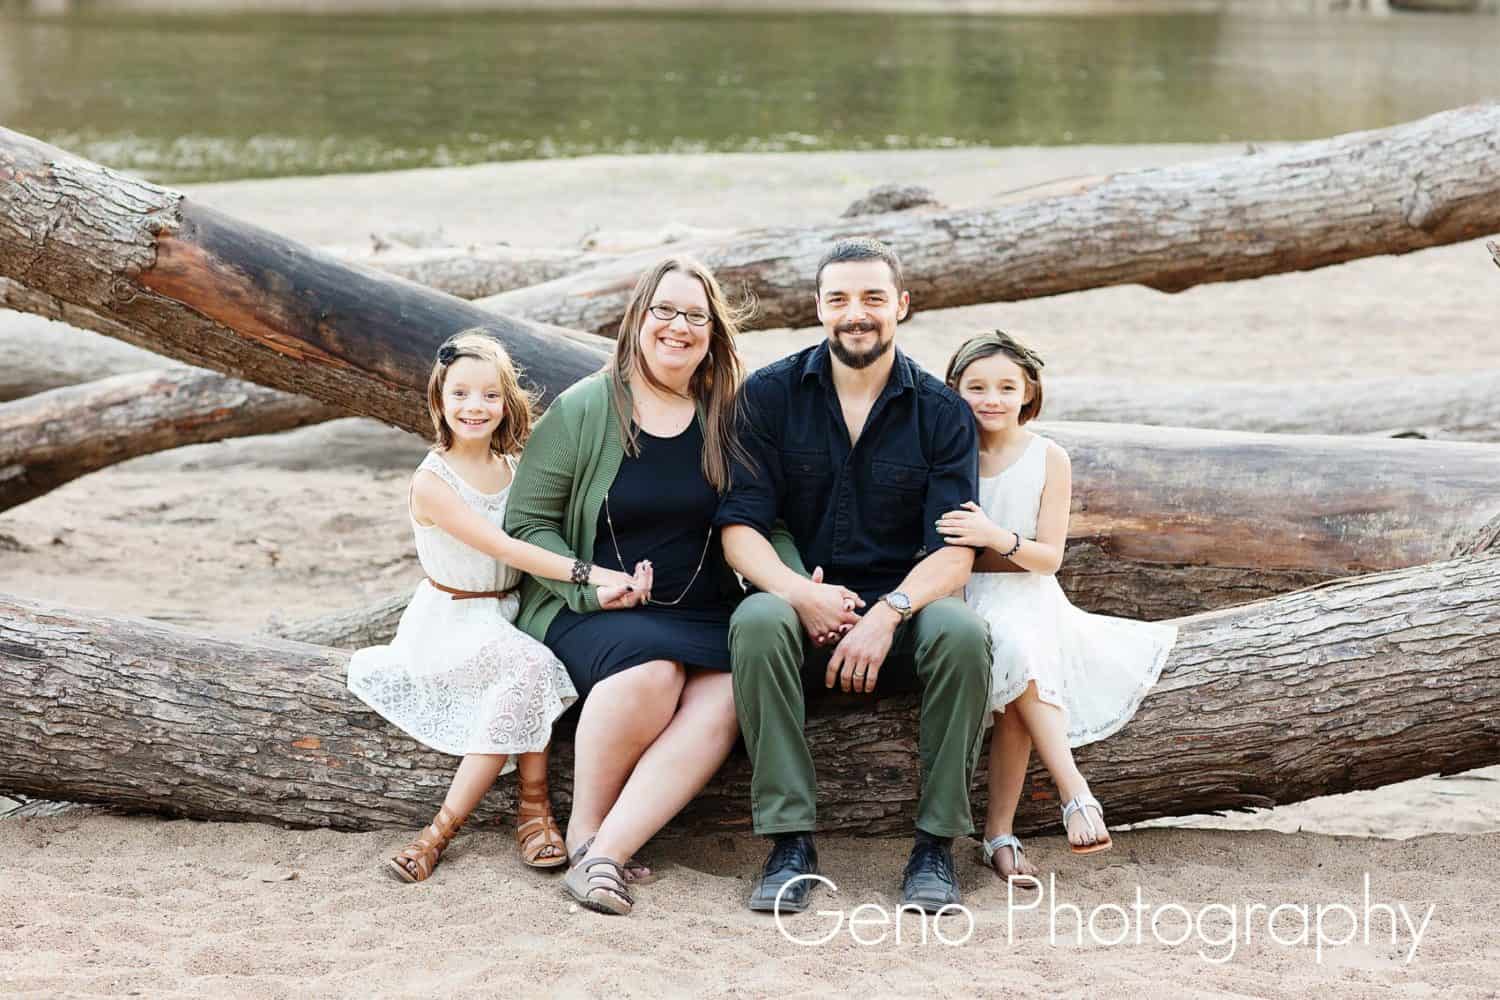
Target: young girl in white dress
(1061,677)
(459,676)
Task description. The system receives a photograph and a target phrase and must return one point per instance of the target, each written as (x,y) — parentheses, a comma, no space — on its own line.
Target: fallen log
(475,272)
(36,355)
(1169,522)
(1352,685)
(371,625)
(1454,407)
(191,283)
(1304,206)
(480,271)
(1460,407)
(55,437)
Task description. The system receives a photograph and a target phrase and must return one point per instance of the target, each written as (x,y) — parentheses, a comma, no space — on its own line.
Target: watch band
(904,613)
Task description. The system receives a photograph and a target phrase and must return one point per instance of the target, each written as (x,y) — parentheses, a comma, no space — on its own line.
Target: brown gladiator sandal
(537,833)
(417,860)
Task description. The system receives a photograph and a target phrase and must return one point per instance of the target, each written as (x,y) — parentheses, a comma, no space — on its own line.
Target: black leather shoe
(929,881)
(792,854)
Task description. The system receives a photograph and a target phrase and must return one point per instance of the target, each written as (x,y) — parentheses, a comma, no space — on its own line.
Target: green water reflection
(192,97)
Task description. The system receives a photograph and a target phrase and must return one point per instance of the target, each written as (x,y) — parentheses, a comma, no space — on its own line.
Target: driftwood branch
(476,272)
(1458,407)
(1352,685)
(185,281)
(1461,407)
(28,367)
(1422,184)
(55,437)
(371,625)
(1168,522)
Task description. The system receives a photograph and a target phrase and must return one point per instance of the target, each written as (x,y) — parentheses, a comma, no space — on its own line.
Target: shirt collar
(819,365)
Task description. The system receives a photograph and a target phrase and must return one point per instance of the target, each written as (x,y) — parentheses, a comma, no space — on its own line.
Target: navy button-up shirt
(865,514)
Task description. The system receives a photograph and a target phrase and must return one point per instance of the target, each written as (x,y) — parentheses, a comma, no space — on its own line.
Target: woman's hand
(622,591)
(826,610)
(971,526)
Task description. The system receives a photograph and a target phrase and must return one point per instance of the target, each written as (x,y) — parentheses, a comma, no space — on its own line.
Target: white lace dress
(459,676)
(1095,667)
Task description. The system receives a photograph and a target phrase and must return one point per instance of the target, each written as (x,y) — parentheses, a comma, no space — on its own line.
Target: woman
(629,465)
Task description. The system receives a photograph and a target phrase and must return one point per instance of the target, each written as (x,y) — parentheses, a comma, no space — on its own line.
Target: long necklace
(610,521)
(702,557)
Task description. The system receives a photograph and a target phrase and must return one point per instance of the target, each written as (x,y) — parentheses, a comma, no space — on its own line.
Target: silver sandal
(1082,803)
(989,848)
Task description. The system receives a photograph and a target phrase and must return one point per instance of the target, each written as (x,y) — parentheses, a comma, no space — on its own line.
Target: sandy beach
(313,521)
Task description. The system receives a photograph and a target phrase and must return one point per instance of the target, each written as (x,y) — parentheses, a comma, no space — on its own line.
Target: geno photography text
(1215,931)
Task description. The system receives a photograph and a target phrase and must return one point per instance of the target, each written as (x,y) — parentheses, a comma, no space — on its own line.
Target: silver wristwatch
(899,603)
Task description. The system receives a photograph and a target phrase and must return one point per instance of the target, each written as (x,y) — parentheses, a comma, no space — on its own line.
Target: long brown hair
(714,385)
(478,343)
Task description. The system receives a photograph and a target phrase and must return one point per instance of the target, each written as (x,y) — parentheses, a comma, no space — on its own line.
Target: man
(858,451)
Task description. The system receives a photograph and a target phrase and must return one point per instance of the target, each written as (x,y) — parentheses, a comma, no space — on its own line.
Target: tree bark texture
(1421,184)
(55,437)
(194,284)
(1353,685)
(370,625)
(1168,522)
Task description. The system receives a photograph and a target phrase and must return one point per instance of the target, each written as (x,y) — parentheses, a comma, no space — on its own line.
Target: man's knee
(950,631)
(762,626)
(950,624)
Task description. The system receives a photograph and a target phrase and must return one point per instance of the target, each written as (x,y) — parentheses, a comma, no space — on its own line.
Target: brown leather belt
(469,595)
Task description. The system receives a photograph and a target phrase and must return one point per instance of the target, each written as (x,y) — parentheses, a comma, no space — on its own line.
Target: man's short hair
(862,248)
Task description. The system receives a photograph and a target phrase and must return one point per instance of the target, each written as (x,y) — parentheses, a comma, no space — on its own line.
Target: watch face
(899,600)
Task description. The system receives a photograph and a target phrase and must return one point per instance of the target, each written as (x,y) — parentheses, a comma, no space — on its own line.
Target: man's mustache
(863,326)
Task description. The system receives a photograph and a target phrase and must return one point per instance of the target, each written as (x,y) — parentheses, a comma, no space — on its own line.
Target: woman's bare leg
(622,716)
(675,768)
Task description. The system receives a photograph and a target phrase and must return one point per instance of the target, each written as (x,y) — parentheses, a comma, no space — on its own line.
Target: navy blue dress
(662,509)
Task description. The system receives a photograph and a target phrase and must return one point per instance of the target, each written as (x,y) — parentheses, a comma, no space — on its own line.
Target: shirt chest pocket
(808,476)
(896,493)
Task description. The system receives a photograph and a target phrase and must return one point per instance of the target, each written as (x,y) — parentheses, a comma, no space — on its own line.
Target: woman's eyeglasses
(666,313)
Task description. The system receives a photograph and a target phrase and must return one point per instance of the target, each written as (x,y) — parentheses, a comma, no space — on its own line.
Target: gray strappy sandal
(598,883)
(636,873)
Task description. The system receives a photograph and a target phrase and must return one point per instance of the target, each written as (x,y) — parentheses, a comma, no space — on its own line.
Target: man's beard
(859,359)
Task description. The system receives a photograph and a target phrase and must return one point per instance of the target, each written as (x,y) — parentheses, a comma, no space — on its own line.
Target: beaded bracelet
(581,571)
(1014,548)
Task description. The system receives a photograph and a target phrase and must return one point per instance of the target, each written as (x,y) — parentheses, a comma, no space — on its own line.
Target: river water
(185,97)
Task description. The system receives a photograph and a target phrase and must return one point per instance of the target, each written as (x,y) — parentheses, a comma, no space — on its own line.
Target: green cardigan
(566,470)
(569,464)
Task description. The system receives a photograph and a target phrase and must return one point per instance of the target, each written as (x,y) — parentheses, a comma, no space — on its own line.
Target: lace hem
(504,699)
(1098,731)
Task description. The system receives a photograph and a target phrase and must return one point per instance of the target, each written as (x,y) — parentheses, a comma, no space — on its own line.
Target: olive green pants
(944,650)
